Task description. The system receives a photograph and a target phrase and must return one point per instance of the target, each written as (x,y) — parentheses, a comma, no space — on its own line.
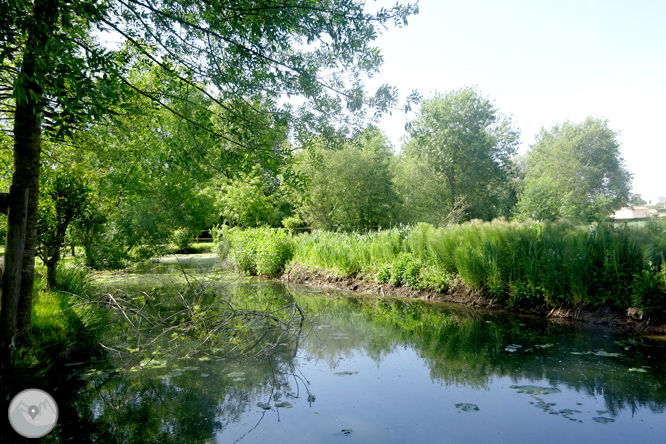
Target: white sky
(543,62)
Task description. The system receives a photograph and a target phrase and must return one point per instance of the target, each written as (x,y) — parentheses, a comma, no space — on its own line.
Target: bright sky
(543,62)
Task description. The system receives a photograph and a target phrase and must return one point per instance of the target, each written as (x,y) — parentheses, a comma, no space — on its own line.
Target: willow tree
(59,76)
(575,171)
(466,145)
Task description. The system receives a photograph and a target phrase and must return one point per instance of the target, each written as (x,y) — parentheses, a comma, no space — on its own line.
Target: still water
(364,370)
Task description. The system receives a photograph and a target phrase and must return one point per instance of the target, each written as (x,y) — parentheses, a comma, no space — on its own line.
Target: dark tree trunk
(51,268)
(11,277)
(27,151)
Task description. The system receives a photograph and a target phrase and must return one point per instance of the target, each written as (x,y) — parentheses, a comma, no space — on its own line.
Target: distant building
(631,213)
(661,200)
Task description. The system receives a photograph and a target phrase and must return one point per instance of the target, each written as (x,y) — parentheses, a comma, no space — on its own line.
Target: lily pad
(535,389)
(467,407)
(513,348)
(344,432)
(284,405)
(264,405)
(235,374)
(602,420)
(544,345)
(605,354)
(638,370)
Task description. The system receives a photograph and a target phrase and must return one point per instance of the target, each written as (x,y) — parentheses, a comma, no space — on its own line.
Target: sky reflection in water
(390,371)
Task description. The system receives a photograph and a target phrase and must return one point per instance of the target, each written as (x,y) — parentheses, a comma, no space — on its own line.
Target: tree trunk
(51,268)
(28,143)
(27,150)
(11,277)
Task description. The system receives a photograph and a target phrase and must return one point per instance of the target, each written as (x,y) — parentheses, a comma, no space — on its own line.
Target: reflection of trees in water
(459,346)
(141,406)
(160,394)
(469,347)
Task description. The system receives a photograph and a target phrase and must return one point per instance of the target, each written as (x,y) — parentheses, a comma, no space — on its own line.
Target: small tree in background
(466,145)
(351,188)
(64,196)
(575,171)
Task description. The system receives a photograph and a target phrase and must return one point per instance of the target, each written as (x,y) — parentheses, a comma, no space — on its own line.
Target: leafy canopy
(466,143)
(575,171)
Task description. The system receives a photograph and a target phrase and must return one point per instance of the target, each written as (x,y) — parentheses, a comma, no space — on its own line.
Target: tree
(575,171)
(64,198)
(58,78)
(467,144)
(350,188)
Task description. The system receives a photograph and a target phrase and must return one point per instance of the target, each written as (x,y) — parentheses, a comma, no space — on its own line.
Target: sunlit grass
(61,330)
(530,263)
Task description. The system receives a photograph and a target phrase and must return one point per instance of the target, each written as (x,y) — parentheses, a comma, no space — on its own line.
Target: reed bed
(556,264)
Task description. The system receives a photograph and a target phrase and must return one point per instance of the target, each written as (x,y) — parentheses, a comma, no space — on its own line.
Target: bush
(649,290)
(106,253)
(403,271)
(182,238)
(261,251)
(292,223)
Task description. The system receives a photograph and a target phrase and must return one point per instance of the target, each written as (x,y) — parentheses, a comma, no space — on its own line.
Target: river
(362,370)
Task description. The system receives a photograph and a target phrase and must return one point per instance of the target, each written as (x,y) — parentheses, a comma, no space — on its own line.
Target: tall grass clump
(548,264)
(257,251)
(64,327)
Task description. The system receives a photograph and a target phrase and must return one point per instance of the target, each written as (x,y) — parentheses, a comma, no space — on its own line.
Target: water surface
(380,370)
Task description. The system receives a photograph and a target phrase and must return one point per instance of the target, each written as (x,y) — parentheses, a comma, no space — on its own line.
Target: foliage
(466,144)
(576,172)
(65,196)
(260,251)
(56,75)
(649,289)
(403,271)
(551,264)
(251,200)
(350,188)
(292,223)
(183,238)
(73,280)
(63,330)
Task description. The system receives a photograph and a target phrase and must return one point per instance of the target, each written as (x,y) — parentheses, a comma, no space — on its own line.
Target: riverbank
(459,293)
(65,332)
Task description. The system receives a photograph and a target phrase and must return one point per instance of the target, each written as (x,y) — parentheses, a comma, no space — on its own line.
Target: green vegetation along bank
(539,267)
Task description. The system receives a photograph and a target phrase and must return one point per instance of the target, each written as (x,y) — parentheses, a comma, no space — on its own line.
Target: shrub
(403,271)
(649,290)
(275,249)
(106,253)
(292,223)
(261,251)
(182,238)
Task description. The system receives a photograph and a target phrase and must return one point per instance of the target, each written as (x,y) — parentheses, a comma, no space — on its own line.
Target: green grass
(62,332)
(524,264)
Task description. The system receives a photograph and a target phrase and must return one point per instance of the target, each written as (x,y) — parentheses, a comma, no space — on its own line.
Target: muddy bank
(461,294)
